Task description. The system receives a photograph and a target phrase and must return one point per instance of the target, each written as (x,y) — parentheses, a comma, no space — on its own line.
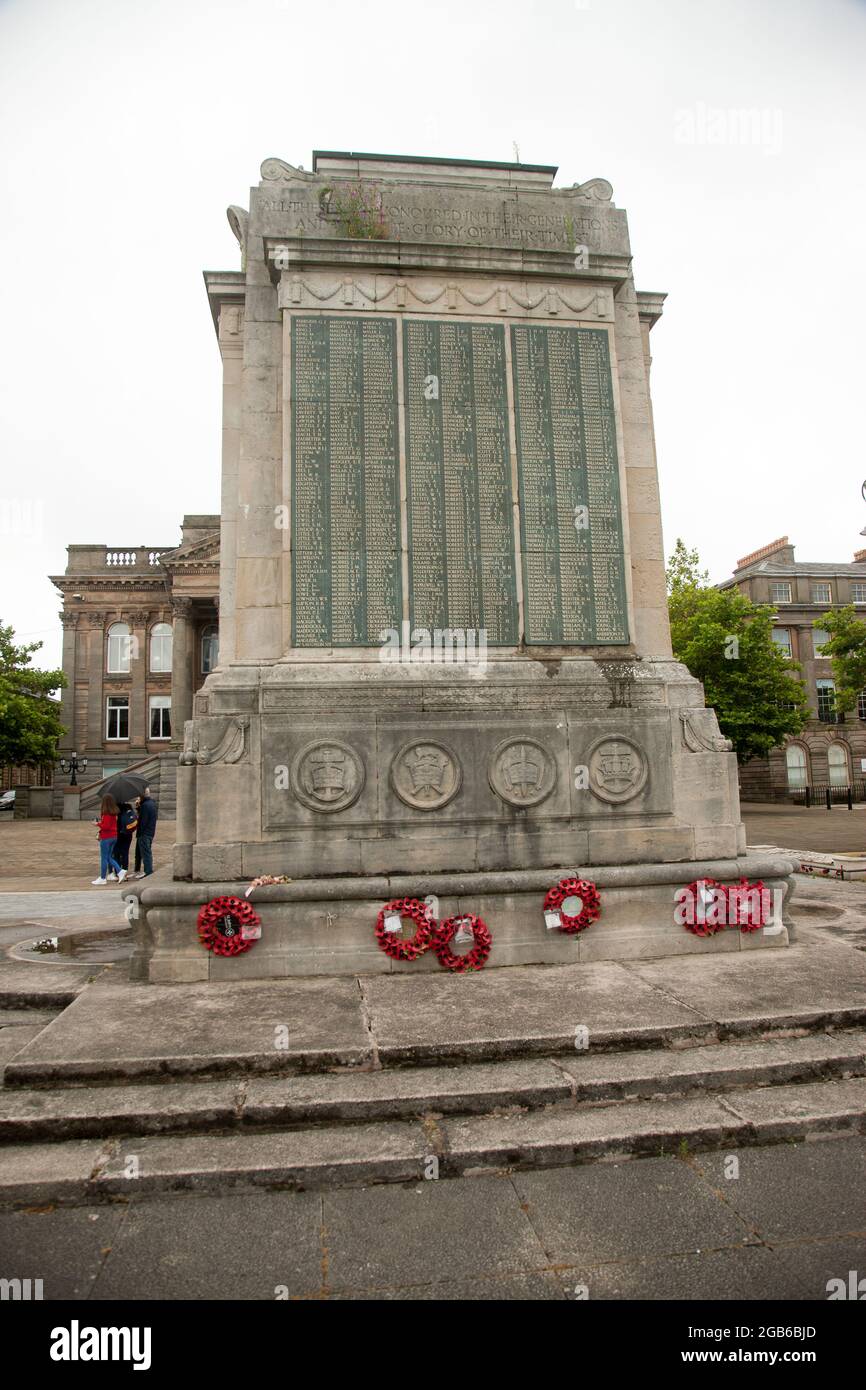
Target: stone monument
(445,664)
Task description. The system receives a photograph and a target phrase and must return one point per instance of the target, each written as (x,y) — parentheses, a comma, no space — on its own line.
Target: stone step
(401,1151)
(356,1097)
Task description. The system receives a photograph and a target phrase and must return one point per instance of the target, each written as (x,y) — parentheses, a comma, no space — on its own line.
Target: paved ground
(59,855)
(840,830)
(659,1228)
(63,855)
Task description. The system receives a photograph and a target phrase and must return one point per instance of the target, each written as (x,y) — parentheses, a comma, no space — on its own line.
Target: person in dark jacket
(144,836)
(126,823)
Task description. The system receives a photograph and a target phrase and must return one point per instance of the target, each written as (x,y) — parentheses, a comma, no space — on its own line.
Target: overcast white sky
(128,126)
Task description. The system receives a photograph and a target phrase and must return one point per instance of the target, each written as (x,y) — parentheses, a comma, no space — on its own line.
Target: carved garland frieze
(417,295)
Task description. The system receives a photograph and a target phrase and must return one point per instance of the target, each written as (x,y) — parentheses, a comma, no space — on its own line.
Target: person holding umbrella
(147,816)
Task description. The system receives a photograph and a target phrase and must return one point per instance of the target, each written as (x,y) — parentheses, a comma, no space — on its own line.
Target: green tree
(29,719)
(847,650)
(726,641)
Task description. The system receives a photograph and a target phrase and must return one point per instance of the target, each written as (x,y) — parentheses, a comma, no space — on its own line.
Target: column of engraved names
(461,549)
(574,593)
(345,540)
(603,492)
(311,521)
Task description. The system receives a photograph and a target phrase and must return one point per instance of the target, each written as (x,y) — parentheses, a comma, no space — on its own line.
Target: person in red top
(107,840)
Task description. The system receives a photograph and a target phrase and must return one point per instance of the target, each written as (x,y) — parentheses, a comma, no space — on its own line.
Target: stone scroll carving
(701,732)
(230,748)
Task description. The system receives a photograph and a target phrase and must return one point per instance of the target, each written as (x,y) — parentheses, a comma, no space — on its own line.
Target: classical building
(831,749)
(140,634)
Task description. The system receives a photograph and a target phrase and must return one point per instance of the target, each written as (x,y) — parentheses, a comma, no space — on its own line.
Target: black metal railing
(829,793)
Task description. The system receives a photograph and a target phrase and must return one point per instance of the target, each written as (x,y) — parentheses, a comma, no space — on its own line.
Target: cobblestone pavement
(777,1224)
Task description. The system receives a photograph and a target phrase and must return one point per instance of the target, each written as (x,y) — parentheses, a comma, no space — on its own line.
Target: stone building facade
(140,634)
(831,749)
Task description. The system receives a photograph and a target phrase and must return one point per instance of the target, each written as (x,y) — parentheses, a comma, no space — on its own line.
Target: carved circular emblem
(617,768)
(426,775)
(327,776)
(521,771)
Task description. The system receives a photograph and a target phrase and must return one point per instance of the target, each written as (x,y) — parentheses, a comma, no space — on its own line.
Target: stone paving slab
(49,1172)
(65,1247)
(579,1214)
(136,1030)
(710,1276)
(402,1092)
(12,1040)
(801,985)
(526,1009)
(387,1152)
(547,1138)
(40,985)
(794,1191)
(780,1112)
(85,1111)
(715,1066)
(238,1246)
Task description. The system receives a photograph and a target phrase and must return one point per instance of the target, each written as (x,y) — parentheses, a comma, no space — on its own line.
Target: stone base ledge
(326,926)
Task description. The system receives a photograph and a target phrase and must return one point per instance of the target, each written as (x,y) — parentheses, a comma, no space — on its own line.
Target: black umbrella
(125,786)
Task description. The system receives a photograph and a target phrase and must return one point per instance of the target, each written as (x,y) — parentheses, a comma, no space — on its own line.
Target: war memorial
(445,670)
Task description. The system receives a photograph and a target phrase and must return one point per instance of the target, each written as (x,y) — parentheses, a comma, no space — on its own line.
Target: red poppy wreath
(590,900)
(476,958)
(391,942)
(223,925)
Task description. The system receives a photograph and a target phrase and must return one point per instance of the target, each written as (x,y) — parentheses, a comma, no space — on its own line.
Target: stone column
(231,341)
(67,695)
(258,605)
(138,659)
(181,667)
(96,665)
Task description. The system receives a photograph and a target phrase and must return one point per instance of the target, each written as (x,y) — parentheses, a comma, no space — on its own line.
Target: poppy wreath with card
(748,905)
(392,943)
(221,924)
(574,888)
(476,958)
(695,908)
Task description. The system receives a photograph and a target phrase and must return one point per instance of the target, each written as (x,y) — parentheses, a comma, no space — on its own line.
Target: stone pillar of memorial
(445,662)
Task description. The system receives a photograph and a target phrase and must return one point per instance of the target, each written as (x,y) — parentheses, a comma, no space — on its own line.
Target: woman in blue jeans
(107,840)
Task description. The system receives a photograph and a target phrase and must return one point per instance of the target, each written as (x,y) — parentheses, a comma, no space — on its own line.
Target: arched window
(119,644)
(795,759)
(210,649)
(837,761)
(160,647)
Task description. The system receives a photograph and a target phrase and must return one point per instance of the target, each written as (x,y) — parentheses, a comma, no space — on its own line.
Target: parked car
(7,801)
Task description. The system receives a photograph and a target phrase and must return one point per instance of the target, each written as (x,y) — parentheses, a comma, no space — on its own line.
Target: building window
(782,639)
(837,762)
(210,649)
(858,593)
(160,647)
(119,647)
(780,593)
(822,593)
(820,638)
(160,716)
(826,701)
(117,718)
(795,761)
(861,705)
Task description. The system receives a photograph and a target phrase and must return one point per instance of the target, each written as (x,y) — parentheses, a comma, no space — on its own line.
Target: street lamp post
(73,764)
